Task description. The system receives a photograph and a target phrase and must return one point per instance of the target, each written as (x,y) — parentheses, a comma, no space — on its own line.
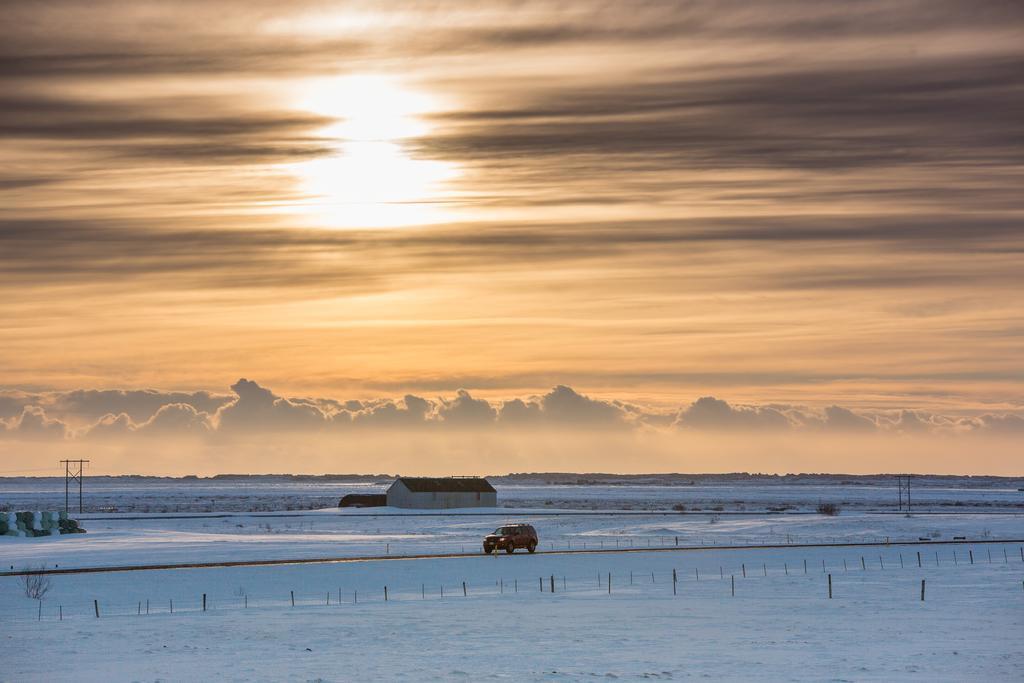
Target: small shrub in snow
(830,509)
(679,507)
(36,586)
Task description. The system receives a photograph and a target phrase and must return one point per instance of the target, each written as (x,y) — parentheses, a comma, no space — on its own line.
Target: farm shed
(363,500)
(442,493)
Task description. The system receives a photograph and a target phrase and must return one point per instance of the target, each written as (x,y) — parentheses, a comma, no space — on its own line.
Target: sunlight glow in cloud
(371,179)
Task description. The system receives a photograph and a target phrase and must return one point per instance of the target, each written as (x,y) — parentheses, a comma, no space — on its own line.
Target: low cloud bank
(253,409)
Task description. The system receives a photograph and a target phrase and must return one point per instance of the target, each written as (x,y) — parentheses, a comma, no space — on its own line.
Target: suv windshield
(505,531)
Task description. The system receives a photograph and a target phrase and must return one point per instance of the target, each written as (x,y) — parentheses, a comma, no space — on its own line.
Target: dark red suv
(510,537)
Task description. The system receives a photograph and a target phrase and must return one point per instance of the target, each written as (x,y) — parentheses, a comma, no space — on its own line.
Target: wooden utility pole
(72,474)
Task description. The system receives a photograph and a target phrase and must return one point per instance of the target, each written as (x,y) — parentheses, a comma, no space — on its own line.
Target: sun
(370,179)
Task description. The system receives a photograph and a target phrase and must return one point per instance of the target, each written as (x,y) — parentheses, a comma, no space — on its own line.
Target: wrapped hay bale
(37,521)
(3,524)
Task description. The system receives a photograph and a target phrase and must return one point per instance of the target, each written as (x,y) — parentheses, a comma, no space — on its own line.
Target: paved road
(441,556)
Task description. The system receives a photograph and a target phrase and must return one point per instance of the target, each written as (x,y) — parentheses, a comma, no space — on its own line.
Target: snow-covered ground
(119,540)
(708,493)
(777,627)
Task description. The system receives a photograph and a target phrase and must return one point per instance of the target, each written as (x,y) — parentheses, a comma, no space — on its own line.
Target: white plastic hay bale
(37,520)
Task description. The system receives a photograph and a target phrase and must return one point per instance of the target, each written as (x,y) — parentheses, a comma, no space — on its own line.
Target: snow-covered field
(708,493)
(779,625)
(118,540)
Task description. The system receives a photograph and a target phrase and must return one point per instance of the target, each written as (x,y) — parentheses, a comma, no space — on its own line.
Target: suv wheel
(510,548)
(532,547)
(488,549)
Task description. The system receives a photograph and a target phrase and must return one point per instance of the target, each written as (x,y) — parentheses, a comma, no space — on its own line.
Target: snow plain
(779,625)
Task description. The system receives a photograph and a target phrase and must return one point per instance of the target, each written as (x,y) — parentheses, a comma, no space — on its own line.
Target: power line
(70,475)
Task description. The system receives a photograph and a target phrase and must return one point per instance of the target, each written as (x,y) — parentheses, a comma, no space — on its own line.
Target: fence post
(609,583)
(147,605)
(743,566)
(971,554)
(204,601)
(246,601)
(673,582)
(918,558)
(552,583)
(517,585)
(60,612)
(464,593)
(829,586)
(733,583)
(172,605)
(881,565)
(765,565)
(901,560)
(785,566)
(540,579)
(805,566)
(96,606)
(863,566)
(293,598)
(385,593)
(922,590)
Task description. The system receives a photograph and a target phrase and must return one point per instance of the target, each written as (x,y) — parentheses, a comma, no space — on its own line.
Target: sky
(488,236)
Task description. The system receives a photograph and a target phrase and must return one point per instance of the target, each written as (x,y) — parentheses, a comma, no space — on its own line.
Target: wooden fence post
(863,566)
(609,583)
(552,583)
(922,590)
(733,583)
(204,601)
(805,566)
(673,582)
(829,586)
(385,593)
(96,606)
(971,554)
(464,593)
(743,566)
(293,598)
(918,558)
